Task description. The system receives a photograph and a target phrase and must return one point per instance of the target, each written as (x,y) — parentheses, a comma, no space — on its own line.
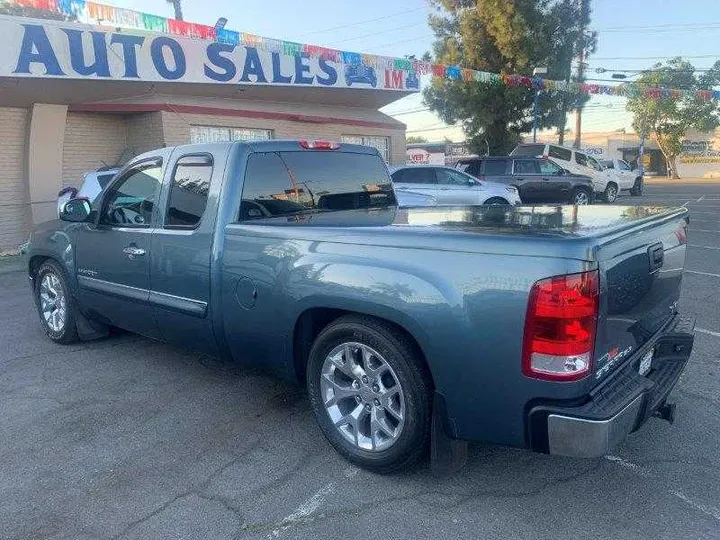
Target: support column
(46,135)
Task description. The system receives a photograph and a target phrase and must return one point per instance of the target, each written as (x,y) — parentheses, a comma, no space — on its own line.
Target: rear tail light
(560,327)
(319,145)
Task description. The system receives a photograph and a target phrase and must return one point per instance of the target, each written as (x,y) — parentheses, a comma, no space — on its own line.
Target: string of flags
(89,12)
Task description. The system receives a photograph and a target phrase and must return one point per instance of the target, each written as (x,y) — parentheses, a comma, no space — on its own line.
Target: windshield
(528,150)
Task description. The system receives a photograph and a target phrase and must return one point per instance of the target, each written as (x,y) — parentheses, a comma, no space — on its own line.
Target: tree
(415,139)
(504,36)
(17,10)
(667,118)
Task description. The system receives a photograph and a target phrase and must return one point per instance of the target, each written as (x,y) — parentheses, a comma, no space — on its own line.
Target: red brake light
(560,327)
(319,145)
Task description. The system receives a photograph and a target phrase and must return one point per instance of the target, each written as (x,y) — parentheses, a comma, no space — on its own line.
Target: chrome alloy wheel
(362,396)
(53,302)
(581,198)
(611,193)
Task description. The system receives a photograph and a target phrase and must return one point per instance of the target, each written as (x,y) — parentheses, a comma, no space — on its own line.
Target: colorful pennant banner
(90,12)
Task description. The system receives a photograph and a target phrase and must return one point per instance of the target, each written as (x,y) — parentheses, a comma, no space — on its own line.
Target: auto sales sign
(73,51)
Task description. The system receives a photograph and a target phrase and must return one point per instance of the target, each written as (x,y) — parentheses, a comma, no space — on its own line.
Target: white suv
(606,182)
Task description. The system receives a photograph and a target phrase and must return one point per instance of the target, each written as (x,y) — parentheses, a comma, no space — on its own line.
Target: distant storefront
(437,153)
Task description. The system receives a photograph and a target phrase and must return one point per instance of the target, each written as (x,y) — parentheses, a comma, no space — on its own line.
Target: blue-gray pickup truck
(553,328)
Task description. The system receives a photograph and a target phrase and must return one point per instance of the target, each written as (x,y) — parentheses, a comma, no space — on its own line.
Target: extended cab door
(181,249)
(113,255)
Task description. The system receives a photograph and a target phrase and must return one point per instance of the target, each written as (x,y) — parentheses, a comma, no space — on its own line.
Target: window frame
(514,172)
(172,185)
(119,179)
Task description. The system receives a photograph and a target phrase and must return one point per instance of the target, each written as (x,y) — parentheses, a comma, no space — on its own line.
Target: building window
(381,143)
(209,134)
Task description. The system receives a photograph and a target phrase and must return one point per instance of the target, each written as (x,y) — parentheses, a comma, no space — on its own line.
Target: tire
(610,194)
(496,201)
(581,197)
(372,345)
(55,304)
(637,188)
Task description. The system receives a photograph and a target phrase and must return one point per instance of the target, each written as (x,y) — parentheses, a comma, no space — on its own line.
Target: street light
(537,71)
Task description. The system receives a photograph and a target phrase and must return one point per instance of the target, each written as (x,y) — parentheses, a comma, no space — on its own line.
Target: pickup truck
(552,328)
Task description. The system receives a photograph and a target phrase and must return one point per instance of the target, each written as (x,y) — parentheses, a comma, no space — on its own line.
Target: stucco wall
(14,193)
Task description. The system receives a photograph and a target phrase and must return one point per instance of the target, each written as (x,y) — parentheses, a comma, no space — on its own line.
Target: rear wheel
(580,197)
(370,393)
(637,188)
(611,192)
(55,304)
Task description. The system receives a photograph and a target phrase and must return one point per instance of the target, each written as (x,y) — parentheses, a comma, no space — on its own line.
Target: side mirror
(75,210)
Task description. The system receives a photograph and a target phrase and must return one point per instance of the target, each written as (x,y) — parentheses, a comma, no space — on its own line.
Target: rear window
(495,167)
(295,183)
(528,150)
(558,152)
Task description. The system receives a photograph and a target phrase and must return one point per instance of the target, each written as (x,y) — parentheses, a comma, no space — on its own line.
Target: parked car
(550,328)
(92,184)
(360,73)
(605,182)
(448,186)
(623,169)
(538,180)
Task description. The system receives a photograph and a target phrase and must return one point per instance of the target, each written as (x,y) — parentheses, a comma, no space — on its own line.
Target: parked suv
(606,183)
(537,179)
(631,177)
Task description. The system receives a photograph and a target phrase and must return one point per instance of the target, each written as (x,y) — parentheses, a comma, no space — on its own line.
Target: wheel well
(312,321)
(496,200)
(611,182)
(35,263)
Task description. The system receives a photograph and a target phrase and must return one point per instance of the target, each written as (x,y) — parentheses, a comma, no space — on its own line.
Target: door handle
(133,251)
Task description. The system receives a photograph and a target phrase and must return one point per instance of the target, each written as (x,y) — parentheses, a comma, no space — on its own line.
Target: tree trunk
(669,159)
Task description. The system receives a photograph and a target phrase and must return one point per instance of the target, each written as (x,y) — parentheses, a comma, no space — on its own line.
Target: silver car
(445,186)
(93,183)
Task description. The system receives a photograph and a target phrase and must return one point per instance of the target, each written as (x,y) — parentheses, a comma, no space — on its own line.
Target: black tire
(68,332)
(611,193)
(496,201)
(400,354)
(637,188)
(577,193)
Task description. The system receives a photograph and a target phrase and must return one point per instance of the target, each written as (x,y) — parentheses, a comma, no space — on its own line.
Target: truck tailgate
(641,272)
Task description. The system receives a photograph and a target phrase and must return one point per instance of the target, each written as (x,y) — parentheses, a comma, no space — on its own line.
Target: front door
(555,182)
(456,188)
(113,255)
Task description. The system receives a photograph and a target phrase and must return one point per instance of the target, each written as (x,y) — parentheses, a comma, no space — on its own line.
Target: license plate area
(645,364)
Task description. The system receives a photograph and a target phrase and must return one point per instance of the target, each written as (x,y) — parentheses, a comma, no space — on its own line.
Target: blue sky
(633,34)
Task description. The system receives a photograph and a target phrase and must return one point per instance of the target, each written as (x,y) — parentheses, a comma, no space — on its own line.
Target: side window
(448,177)
(581,159)
(189,191)
(609,164)
(548,167)
(495,167)
(592,162)
(623,165)
(132,199)
(527,166)
(558,152)
(418,175)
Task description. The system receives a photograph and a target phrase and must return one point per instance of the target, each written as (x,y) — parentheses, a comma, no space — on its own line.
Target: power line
(377,33)
(654,57)
(357,23)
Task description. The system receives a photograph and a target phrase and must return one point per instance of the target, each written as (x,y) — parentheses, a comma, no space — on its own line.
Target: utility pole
(581,69)
(178,9)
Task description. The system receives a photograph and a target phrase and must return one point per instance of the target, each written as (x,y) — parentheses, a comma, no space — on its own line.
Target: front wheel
(611,193)
(370,393)
(55,304)
(580,197)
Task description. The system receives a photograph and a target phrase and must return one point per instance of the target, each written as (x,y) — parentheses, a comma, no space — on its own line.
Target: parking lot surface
(129,438)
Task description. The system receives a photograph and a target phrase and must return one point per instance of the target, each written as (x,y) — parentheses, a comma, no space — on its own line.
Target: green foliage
(504,36)
(415,139)
(669,118)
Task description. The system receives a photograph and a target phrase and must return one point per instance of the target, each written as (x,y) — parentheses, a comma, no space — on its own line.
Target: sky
(632,35)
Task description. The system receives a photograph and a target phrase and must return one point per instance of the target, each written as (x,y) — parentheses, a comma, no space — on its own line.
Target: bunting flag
(91,12)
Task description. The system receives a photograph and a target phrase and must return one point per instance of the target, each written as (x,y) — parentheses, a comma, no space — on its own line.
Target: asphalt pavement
(128,438)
